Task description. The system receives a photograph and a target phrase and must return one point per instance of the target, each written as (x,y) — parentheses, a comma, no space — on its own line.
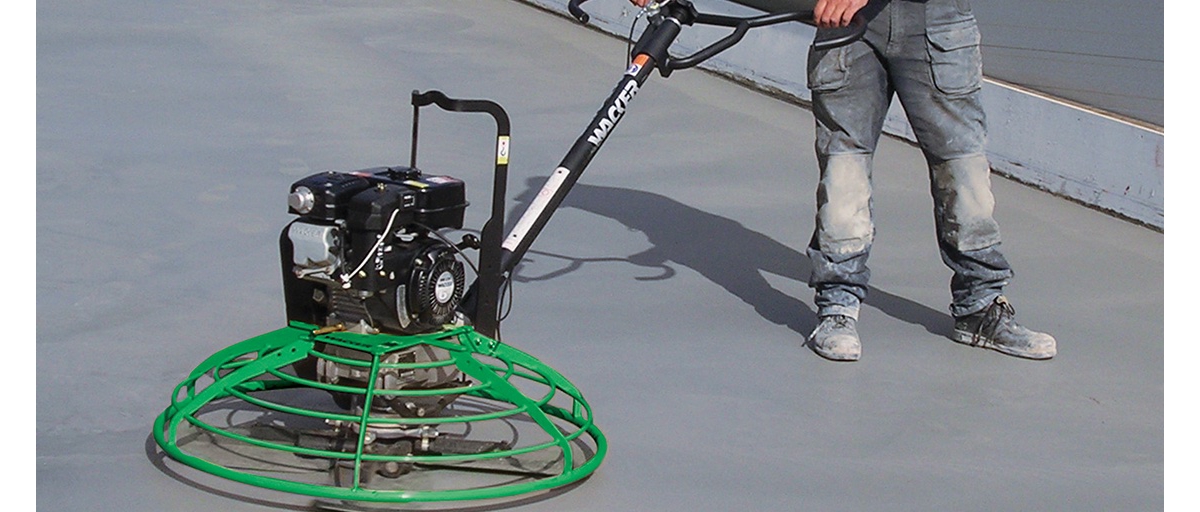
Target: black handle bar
(826,38)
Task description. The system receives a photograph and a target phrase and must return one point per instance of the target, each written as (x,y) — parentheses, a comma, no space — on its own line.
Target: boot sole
(833,356)
(838,357)
(968,339)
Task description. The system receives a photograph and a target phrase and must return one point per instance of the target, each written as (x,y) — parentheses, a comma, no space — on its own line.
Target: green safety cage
(450,415)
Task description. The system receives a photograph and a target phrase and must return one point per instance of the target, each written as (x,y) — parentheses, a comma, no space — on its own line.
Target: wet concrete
(670,288)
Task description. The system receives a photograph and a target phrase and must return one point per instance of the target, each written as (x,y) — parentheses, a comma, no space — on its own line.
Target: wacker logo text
(614,113)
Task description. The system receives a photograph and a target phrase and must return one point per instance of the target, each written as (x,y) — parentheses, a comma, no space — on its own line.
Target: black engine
(368,254)
(364,253)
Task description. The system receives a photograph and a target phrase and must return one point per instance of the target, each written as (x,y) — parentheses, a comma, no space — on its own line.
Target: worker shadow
(724,251)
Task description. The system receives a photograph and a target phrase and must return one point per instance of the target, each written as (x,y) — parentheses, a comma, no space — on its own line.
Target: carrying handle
(481,302)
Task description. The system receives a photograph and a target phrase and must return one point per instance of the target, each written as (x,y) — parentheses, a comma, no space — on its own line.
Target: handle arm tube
(538,212)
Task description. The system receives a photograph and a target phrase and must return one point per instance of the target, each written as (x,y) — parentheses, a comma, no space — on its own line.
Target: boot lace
(996,314)
(840,321)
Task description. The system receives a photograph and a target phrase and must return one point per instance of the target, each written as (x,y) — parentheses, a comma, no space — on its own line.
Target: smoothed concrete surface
(670,288)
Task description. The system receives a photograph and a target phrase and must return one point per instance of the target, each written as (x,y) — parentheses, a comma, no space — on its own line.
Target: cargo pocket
(827,69)
(954,57)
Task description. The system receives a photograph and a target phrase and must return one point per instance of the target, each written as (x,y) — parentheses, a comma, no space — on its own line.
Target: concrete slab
(670,288)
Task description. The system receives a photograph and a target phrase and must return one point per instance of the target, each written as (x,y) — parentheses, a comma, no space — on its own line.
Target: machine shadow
(723,251)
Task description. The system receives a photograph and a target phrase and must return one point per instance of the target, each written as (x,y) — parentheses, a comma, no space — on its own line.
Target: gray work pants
(926,53)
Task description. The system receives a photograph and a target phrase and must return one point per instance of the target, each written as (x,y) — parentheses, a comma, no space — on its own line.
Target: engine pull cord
(367,257)
(449,244)
(506,284)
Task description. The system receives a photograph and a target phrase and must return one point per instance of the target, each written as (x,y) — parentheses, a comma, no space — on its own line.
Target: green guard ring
(504,425)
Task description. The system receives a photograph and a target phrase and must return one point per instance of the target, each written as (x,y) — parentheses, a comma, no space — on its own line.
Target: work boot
(995,327)
(836,338)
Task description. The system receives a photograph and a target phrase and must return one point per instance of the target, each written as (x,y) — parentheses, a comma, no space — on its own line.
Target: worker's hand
(639,3)
(835,13)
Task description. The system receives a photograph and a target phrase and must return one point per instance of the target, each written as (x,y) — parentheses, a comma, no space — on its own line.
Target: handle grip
(574,7)
(834,37)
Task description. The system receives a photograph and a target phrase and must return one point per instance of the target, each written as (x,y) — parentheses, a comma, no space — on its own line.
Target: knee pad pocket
(963,204)
(844,205)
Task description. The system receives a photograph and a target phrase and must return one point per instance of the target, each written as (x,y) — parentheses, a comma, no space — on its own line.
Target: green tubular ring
(233,381)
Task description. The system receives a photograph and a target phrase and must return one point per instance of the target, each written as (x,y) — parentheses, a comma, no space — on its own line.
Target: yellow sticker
(502,150)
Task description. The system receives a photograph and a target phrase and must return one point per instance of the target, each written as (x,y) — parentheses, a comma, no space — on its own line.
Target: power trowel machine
(389,383)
